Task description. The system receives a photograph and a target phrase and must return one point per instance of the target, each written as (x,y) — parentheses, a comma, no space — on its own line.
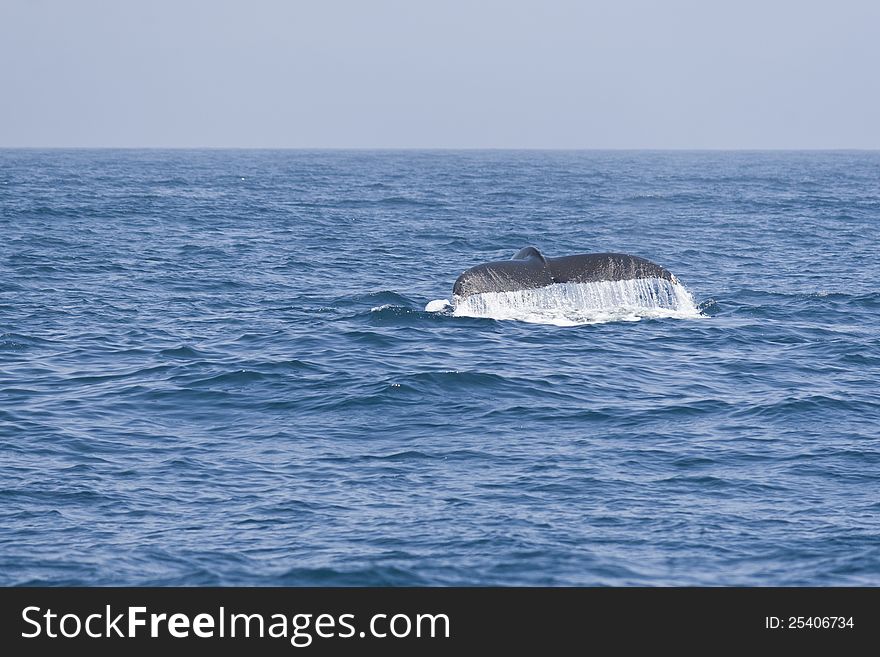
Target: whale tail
(530,269)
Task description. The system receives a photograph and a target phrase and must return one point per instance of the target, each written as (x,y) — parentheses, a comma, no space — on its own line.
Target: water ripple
(218,368)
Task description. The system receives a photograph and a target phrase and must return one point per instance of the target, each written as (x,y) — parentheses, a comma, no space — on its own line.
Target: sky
(440,73)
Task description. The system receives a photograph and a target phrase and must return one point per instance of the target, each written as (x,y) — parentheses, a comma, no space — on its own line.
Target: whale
(530,269)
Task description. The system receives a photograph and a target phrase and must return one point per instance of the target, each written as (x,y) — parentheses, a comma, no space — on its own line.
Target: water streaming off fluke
(572,304)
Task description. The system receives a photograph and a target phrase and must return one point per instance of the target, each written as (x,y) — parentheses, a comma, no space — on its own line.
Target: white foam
(573,304)
(438,305)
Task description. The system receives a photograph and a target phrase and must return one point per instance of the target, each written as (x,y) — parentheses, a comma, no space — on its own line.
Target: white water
(573,304)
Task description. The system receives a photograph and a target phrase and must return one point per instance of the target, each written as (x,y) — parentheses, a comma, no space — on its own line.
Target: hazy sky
(441,73)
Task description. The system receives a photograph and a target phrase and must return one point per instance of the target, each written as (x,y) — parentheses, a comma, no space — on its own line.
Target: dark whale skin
(530,269)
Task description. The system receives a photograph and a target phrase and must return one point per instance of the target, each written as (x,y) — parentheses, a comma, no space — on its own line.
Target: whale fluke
(530,269)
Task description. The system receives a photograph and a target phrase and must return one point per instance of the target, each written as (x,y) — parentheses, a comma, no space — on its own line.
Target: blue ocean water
(216,367)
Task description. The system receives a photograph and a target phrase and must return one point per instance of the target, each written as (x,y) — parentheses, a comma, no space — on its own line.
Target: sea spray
(569,304)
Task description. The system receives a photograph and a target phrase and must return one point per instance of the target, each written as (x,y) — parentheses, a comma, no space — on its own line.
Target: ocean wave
(374,300)
(250,390)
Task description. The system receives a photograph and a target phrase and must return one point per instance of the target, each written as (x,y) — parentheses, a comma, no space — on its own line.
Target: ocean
(234,367)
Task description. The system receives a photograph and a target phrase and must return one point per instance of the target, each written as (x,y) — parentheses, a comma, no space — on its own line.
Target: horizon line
(452,148)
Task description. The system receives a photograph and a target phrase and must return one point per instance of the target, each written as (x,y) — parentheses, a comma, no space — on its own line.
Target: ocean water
(217,367)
